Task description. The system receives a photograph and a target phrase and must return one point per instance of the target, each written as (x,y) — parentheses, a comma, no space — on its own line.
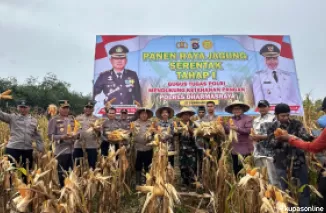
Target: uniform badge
(62,129)
(270,48)
(195,43)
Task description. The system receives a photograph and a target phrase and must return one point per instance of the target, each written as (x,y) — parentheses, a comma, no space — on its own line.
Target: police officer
(88,139)
(273,84)
(23,130)
(119,82)
(124,121)
(109,125)
(58,129)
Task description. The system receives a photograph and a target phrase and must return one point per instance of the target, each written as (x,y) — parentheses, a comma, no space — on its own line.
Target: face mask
(322,121)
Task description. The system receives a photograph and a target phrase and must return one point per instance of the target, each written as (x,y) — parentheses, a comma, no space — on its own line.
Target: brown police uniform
(88,139)
(108,126)
(23,130)
(63,149)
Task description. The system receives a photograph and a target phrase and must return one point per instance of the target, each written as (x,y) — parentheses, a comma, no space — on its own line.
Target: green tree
(42,93)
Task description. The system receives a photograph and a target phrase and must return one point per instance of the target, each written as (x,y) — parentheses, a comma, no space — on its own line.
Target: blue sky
(59,36)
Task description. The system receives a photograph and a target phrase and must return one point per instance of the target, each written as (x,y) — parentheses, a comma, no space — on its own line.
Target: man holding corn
(87,143)
(140,130)
(263,154)
(108,126)
(188,160)
(23,131)
(63,134)
(165,114)
(288,158)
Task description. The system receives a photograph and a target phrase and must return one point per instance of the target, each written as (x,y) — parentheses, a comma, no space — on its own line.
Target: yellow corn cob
(278,196)
(77,126)
(7,92)
(69,131)
(137,103)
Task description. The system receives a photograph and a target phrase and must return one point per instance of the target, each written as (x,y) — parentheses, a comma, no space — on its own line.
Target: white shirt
(116,73)
(262,119)
(285,90)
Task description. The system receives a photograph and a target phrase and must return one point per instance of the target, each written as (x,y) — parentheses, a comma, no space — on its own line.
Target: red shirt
(317,145)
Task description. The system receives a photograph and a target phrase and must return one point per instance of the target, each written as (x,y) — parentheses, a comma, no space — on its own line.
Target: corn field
(110,188)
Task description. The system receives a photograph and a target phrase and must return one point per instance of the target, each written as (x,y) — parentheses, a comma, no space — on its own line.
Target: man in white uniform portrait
(273,84)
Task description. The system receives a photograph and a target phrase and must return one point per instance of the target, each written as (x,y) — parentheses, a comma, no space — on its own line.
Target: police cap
(270,50)
(22,103)
(118,51)
(64,103)
(90,103)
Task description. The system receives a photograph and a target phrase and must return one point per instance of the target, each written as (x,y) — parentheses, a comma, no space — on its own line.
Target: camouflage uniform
(168,137)
(285,154)
(187,154)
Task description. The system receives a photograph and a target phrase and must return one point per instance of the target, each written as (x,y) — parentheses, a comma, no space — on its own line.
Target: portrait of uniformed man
(273,84)
(119,82)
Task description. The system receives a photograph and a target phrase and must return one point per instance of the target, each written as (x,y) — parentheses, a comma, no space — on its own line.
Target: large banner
(188,71)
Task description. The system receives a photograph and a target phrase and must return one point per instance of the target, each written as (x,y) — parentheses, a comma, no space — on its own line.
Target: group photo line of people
(276,141)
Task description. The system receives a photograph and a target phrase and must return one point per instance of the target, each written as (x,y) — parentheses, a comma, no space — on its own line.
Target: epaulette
(261,71)
(101,73)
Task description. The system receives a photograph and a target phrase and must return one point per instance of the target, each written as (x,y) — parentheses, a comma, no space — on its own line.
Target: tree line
(50,89)
(41,93)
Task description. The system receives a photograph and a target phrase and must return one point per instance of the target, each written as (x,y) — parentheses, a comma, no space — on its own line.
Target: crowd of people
(255,137)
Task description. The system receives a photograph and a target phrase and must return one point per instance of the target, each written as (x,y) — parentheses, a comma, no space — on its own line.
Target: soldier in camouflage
(188,149)
(165,114)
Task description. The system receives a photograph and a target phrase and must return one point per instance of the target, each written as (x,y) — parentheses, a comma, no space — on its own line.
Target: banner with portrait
(177,71)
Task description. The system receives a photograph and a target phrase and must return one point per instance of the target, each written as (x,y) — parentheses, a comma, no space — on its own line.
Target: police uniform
(108,126)
(125,123)
(123,86)
(63,149)
(87,140)
(23,130)
(275,86)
